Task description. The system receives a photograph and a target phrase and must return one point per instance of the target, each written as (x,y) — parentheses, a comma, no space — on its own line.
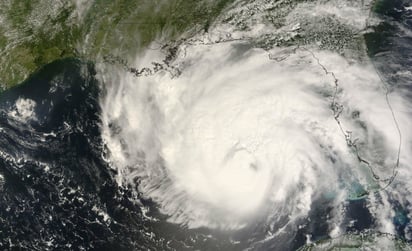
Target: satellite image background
(205,125)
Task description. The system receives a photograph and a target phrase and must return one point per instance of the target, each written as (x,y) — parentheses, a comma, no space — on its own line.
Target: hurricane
(230,133)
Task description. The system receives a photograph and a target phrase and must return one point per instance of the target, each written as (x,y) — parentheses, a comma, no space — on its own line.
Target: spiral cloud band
(244,133)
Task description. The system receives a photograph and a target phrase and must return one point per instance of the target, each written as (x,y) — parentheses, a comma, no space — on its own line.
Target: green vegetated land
(36,32)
